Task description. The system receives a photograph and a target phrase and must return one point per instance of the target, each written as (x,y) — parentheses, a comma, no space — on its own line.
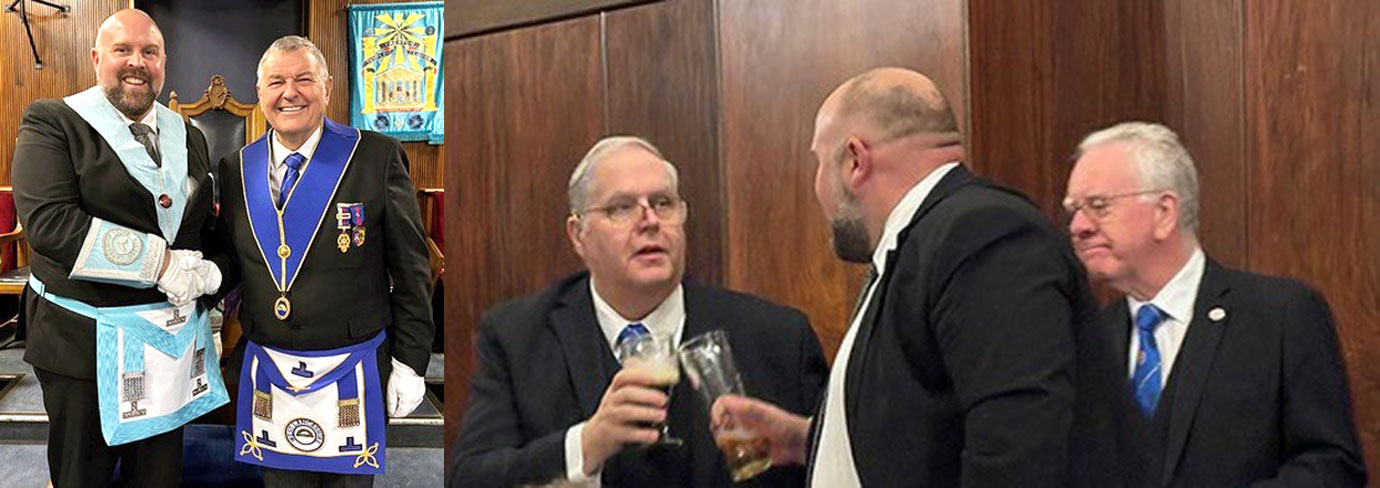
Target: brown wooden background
(1276,99)
(65,43)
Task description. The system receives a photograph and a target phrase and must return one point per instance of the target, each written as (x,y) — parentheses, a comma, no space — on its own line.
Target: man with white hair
(321,228)
(1230,378)
(113,190)
(549,403)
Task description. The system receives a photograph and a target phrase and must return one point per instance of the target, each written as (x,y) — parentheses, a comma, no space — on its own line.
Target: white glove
(188,277)
(179,282)
(405,390)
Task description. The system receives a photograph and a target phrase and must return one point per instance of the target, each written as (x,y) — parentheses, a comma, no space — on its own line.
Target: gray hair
(1163,162)
(287,44)
(582,179)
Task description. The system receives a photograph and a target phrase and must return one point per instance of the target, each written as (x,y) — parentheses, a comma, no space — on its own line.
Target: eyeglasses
(669,210)
(1099,206)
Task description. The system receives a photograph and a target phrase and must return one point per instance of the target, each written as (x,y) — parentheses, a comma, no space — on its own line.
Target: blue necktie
(294,163)
(633,330)
(1147,375)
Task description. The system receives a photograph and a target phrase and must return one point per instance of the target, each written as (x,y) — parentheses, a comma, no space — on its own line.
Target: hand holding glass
(655,356)
(708,361)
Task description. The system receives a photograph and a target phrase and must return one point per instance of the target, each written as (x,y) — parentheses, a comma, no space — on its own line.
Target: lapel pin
(1217,314)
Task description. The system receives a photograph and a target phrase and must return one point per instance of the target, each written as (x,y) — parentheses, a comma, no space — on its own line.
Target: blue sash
(171,179)
(312,410)
(149,381)
(288,234)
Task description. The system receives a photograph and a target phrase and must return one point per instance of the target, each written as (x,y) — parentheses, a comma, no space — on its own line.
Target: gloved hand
(188,277)
(179,282)
(405,390)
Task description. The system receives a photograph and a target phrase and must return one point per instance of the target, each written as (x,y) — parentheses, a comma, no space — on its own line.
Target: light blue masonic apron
(156,367)
(305,410)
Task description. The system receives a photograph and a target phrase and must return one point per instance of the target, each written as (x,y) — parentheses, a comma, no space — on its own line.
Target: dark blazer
(1256,398)
(64,173)
(339,299)
(543,366)
(962,368)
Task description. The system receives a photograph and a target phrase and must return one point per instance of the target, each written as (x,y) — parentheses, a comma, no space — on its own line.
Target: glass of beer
(655,355)
(708,362)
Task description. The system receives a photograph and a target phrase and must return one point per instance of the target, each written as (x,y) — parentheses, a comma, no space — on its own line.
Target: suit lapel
(588,359)
(1194,364)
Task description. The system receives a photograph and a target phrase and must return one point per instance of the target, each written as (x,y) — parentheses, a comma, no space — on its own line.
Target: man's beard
(131,103)
(851,243)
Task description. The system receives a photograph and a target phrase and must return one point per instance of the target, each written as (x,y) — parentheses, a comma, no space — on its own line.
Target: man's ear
(1166,215)
(858,166)
(572,232)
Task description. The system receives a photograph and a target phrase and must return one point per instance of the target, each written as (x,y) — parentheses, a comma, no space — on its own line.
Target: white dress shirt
(668,319)
(834,465)
(278,153)
(1176,300)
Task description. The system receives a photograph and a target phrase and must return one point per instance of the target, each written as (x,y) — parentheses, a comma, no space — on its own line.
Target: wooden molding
(467,18)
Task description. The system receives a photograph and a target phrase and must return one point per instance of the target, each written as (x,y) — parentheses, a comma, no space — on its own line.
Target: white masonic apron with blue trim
(305,410)
(312,410)
(152,373)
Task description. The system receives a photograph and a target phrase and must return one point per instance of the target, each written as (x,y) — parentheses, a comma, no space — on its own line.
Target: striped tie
(1147,374)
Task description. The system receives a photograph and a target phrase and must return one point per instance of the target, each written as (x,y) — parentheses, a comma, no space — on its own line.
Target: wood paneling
(522,108)
(779,60)
(1311,122)
(662,84)
(64,42)
(1044,74)
(1203,46)
(327,28)
(466,18)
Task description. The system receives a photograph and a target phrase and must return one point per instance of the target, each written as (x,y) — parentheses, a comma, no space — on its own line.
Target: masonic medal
(282,307)
(359,236)
(165,201)
(284,251)
(343,242)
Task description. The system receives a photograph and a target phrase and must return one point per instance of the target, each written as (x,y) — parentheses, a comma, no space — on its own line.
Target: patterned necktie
(294,163)
(141,133)
(1147,374)
(630,332)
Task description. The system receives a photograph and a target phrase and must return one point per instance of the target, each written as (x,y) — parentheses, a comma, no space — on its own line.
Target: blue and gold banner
(396,82)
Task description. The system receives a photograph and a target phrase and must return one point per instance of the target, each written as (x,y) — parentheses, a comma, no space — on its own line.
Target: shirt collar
(666,319)
(1177,297)
(281,152)
(904,211)
(150,119)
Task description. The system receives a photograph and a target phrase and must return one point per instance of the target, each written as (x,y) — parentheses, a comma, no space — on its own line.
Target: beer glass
(656,356)
(708,362)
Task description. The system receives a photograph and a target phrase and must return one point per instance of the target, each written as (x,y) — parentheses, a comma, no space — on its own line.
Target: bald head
(128,60)
(887,104)
(127,20)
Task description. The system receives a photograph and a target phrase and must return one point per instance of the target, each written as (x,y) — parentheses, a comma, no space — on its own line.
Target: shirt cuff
(575,458)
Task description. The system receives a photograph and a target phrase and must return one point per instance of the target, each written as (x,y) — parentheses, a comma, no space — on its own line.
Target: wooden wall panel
(326,27)
(64,42)
(466,18)
(779,60)
(1313,166)
(662,84)
(522,108)
(1203,43)
(1044,74)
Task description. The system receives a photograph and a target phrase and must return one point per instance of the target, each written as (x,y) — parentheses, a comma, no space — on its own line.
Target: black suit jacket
(543,366)
(1256,398)
(64,174)
(339,299)
(962,368)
